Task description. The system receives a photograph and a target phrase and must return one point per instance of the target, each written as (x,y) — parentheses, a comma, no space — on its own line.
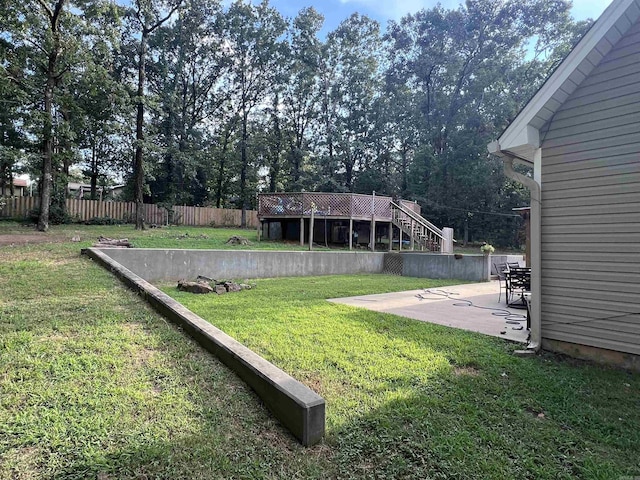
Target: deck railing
(345,205)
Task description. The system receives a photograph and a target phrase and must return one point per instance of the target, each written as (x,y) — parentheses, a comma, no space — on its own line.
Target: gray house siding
(591,207)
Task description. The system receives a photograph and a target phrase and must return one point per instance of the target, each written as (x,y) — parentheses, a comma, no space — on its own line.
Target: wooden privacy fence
(84,210)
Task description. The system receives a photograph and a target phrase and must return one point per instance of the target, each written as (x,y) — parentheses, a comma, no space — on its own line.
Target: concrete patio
(446,306)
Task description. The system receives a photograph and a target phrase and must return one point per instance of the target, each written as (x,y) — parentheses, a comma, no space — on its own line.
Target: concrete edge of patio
(296,406)
(447,306)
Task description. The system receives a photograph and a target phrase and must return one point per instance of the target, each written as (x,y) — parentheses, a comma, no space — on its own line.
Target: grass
(96,385)
(407,399)
(165,237)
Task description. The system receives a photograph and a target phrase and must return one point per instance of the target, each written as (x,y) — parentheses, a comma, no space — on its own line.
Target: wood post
(390,236)
(411,239)
(351,234)
(400,240)
(302,231)
(372,234)
(259,229)
(311,228)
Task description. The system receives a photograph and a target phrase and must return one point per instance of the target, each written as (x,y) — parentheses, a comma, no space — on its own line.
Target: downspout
(508,158)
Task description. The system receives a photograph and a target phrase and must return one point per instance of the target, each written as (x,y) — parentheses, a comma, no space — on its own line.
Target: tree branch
(167,17)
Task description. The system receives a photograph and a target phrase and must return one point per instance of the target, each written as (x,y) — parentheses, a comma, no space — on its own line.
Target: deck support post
(311,228)
(351,234)
(400,240)
(302,231)
(390,236)
(413,246)
(259,232)
(372,236)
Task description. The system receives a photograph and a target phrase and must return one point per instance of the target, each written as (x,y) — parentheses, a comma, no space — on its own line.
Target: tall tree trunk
(138,164)
(47,138)
(221,166)
(243,171)
(47,130)
(94,171)
(274,171)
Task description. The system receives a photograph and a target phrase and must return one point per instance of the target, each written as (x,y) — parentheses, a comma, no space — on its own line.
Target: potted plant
(487,249)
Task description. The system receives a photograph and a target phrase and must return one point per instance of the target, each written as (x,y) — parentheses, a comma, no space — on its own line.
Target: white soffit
(522,134)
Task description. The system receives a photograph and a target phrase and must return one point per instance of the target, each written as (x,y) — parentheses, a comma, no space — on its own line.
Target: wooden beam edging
(295,405)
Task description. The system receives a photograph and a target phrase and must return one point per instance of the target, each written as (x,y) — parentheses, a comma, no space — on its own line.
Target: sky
(335,11)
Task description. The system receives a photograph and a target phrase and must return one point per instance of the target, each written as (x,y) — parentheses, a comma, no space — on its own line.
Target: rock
(238,240)
(220,290)
(197,237)
(75,238)
(232,287)
(194,287)
(245,286)
(202,278)
(112,242)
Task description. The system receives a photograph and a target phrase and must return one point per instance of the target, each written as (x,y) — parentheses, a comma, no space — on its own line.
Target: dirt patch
(466,371)
(27,238)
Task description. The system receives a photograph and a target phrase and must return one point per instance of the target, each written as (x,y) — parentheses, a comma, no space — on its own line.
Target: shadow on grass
(490,414)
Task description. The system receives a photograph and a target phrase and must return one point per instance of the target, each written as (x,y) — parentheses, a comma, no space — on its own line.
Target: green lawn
(95,385)
(407,399)
(165,237)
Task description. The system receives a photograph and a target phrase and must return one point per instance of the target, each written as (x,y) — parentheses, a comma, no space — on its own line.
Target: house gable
(522,136)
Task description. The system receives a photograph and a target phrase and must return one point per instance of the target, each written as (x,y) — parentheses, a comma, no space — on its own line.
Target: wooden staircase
(421,232)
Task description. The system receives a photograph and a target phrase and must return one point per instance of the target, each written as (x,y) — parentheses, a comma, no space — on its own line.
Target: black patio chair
(519,282)
(501,272)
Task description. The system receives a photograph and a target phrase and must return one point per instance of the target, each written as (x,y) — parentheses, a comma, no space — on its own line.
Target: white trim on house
(522,136)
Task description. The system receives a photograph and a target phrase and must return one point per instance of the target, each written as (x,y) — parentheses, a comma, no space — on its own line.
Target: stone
(112,242)
(75,238)
(238,240)
(220,290)
(245,286)
(232,287)
(194,287)
(202,278)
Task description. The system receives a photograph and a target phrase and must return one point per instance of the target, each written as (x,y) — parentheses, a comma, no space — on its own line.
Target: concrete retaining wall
(156,265)
(474,268)
(296,406)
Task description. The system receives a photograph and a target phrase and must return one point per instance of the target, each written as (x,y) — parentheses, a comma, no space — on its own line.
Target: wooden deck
(335,206)
(348,219)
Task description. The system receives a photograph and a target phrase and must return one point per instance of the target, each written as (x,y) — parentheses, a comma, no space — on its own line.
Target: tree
(187,78)
(148,16)
(300,91)
(255,48)
(350,82)
(463,67)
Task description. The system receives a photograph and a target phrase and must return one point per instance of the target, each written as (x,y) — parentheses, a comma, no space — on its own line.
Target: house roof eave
(522,135)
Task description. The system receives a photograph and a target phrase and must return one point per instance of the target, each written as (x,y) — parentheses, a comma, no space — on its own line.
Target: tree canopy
(204,103)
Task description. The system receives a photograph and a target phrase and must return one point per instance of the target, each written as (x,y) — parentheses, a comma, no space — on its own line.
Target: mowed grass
(407,399)
(93,384)
(164,237)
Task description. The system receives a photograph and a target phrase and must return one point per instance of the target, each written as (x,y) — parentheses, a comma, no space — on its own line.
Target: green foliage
(104,221)
(264,103)
(57,214)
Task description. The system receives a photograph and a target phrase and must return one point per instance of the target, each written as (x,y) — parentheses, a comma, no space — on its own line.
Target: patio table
(519,281)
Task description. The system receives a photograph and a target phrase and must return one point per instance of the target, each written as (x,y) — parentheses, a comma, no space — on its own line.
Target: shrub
(104,221)
(57,215)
